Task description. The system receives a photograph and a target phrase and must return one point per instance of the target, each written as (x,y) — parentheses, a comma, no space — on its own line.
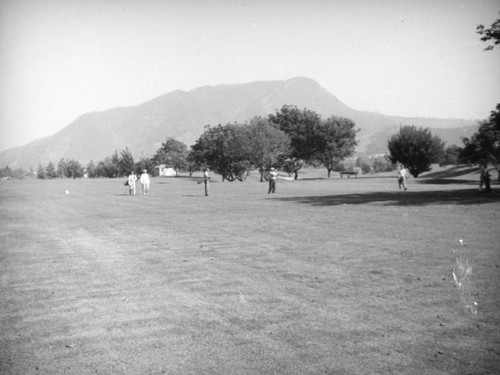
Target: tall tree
(415,148)
(40,173)
(336,140)
(69,168)
(62,167)
(125,162)
(106,168)
(450,156)
(267,145)
(91,169)
(5,172)
(483,147)
(381,164)
(147,164)
(74,169)
(302,128)
(50,171)
(173,153)
(224,150)
(116,168)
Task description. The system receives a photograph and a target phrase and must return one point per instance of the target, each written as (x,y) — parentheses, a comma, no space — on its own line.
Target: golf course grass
(327,276)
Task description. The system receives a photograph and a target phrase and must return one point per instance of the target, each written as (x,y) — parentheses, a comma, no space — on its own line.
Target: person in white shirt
(402,177)
(273,174)
(132,178)
(145,181)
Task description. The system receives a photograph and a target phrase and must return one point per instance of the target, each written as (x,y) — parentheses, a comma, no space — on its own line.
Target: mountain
(183,115)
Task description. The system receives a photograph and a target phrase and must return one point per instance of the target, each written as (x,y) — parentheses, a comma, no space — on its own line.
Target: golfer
(145,181)
(132,178)
(273,175)
(402,177)
(206,180)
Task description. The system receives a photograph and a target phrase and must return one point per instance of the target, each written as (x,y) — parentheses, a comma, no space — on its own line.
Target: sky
(60,59)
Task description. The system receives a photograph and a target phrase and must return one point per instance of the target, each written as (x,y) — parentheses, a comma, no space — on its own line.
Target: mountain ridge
(183,115)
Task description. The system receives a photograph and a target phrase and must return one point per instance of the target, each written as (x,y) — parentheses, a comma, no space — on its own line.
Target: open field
(339,276)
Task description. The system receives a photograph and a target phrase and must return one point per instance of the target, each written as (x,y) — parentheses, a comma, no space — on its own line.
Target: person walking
(487,185)
(402,177)
(132,178)
(206,180)
(145,181)
(273,175)
(482,176)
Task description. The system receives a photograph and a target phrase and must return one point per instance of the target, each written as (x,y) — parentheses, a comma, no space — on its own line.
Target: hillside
(183,115)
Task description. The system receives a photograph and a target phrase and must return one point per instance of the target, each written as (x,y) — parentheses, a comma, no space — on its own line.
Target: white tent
(165,171)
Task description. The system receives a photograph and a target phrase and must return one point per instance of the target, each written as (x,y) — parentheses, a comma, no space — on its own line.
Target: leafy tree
(223,149)
(335,140)
(91,169)
(366,168)
(125,162)
(40,173)
(292,165)
(415,148)
(302,128)
(115,163)
(106,168)
(450,156)
(173,153)
(359,162)
(5,172)
(267,145)
(69,169)
(50,171)
(192,164)
(483,147)
(74,169)
(62,168)
(363,165)
(145,163)
(382,164)
(491,34)
(18,173)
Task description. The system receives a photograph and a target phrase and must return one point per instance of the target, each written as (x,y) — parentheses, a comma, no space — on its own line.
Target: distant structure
(164,171)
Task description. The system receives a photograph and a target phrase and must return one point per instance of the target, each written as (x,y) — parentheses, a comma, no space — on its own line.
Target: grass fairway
(339,276)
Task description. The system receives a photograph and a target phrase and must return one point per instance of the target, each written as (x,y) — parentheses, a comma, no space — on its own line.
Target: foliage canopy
(483,147)
(415,148)
(490,34)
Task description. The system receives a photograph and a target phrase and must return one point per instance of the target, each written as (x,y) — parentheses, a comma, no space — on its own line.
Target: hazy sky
(62,58)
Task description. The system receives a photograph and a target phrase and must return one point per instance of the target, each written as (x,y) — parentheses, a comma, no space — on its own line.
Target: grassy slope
(337,276)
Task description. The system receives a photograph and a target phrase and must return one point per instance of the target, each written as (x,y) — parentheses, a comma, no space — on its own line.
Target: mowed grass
(327,276)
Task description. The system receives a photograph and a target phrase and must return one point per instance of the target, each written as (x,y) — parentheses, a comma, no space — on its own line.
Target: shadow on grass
(400,198)
(193,179)
(447,181)
(453,172)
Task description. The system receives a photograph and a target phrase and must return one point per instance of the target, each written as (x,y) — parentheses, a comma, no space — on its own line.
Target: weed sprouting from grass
(462,275)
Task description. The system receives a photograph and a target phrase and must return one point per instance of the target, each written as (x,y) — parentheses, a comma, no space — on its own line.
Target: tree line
(288,139)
